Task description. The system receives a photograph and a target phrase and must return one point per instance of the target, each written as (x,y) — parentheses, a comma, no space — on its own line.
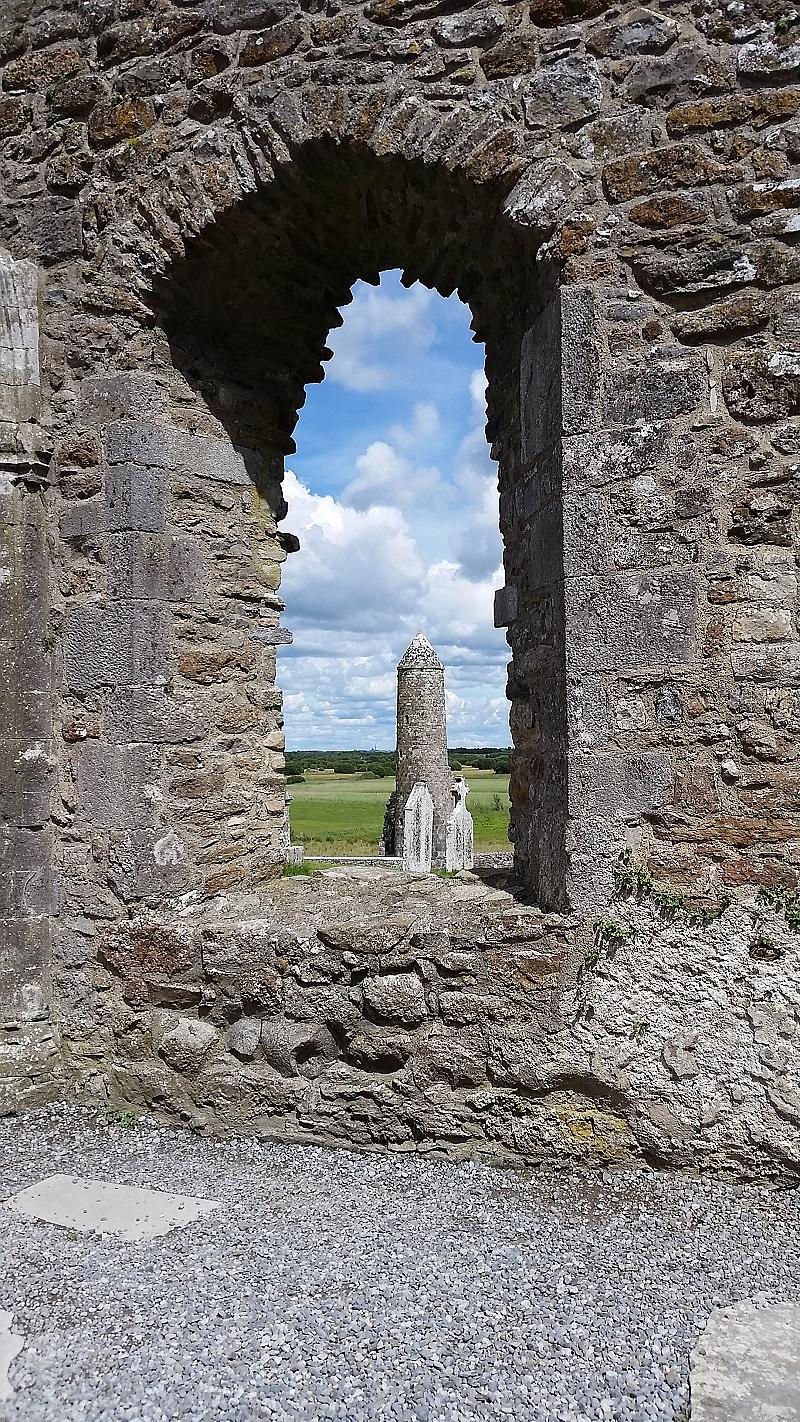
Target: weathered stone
(516,55)
(78,95)
(674,210)
(760,385)
(271,44)
(563,12)
(745,1366)
(640,32)
(758,198)
(723,110)
(678,165)
(764,517)
(12,117)
(396,997)
(569,91)
(542,194)
(42,68)
(660,390)
(111,123)
(477,25)
(297,1048)
(230,15)
(739,315)
(767,59)
(185,1045)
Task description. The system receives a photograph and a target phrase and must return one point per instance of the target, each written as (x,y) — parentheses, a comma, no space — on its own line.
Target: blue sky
(394,497)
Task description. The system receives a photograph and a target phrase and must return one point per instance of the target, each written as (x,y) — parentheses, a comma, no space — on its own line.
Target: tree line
(384,763)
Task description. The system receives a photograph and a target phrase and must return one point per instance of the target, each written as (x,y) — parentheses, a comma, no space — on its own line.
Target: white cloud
(386,477)
(346,551)
(380,333)
(425,422)
(360,579)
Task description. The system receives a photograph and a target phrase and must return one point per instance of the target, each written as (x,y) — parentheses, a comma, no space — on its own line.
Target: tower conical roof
(420,653)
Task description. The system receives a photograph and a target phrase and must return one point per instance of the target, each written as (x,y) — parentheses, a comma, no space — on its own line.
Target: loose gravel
(335,1285)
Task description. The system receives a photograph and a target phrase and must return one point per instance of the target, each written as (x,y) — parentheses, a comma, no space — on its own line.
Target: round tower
(422,740)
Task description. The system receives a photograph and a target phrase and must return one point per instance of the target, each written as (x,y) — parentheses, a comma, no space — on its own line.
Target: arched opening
(393,496)
(247,311)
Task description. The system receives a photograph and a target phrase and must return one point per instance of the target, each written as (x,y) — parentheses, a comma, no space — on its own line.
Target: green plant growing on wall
(121,1117)
(633,880)
(607,936)
(785,898)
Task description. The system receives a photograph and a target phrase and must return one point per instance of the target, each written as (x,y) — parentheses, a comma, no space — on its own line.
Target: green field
(343,814)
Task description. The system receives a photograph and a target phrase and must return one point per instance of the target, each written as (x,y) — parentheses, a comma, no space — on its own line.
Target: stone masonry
(422,743)
(189,192)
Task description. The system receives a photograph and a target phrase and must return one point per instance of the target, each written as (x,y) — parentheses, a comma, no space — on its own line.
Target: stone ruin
(426,822)
(189,193)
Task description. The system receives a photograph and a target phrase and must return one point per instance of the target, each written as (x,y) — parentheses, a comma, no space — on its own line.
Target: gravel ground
(333,1285)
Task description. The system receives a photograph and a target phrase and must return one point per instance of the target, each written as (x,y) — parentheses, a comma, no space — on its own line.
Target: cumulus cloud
(379,330)
(425,422)
(347,552)
(384,476)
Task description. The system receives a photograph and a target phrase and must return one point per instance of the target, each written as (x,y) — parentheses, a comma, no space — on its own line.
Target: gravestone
(460,838)
(418,831)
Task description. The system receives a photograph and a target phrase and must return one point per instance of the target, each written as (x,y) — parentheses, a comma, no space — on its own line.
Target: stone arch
(242,305)
(242,251)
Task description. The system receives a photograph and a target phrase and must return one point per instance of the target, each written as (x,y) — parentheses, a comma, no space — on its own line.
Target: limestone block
(506,603)
(106,399)
(540,383)
(580,360)
(136,497)
(159,568)
(746,1366)
(20,380)
(152,862)
(24,969)
(617,785)
(115,645)
(396,997)
(659,390)
(631,619)
(418,831)
(144,444)
(151,713)
(27,776)
(119,785)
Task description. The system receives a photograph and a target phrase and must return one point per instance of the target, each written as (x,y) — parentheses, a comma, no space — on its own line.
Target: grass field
(343,814)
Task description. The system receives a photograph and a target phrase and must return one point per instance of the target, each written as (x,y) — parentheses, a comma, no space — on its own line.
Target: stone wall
(446,1018)
(190,192)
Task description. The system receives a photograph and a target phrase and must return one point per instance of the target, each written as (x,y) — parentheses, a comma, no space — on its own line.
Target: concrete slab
(100,1207)
(10,1345)
(746,1366)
